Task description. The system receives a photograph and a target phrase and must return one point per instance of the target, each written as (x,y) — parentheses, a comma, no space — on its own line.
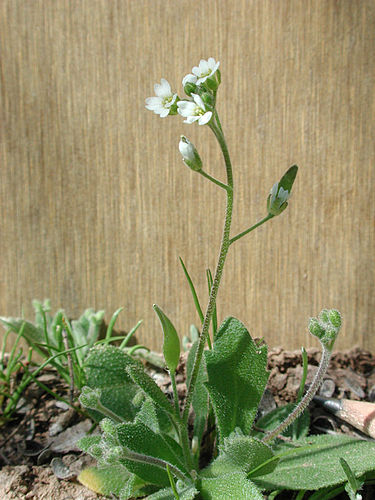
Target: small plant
(149,445)
(13,378)
(62,344)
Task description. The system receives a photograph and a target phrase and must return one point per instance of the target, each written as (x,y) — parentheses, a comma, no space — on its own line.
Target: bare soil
(39,459)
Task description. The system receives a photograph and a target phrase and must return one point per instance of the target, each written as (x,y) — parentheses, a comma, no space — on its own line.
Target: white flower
(194,110)
(205,70)
(161,104)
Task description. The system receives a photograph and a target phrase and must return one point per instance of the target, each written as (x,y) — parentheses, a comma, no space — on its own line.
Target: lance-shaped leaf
(171,345)
(147,384)
(237,376)
(317,465)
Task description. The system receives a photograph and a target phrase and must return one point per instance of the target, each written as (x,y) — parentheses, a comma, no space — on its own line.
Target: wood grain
(96,205)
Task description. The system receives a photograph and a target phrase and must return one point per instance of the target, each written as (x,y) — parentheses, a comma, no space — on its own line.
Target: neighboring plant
(13,378)
(209,449)
(61,343)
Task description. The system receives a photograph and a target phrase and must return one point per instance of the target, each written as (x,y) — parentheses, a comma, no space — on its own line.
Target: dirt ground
(39,459)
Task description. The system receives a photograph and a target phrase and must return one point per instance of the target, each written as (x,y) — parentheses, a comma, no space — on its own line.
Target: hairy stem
(146,459)
(302,405)
(247,231)
(225,242)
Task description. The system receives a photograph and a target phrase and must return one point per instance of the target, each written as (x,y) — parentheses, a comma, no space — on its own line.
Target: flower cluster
(200,86)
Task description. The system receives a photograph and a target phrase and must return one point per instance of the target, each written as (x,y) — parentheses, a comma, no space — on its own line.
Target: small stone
(327,388)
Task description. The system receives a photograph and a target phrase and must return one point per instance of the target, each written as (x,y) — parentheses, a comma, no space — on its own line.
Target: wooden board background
(96,205)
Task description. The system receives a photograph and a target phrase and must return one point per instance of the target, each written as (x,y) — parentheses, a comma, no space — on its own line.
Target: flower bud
(190,88)
(96,451)
(326,327)
(316,329)
(212,83)
(108,426)
(277,200)
(189,84)
(90,398)
(189,154)
(208,99)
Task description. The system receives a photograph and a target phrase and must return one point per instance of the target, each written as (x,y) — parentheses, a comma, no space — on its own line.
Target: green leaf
(353,485)
(234,486)
(87,441)
(104,480)
(150,387)
(105,369)
(243,454)
(271,420)
(141,439)
(317,465)
(184,493)
(171,345)
(193,292)
(237,376)
(287,180)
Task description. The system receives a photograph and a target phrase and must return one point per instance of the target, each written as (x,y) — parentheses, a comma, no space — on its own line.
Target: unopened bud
(90,398)
(108,426)
(189,154)
(208,99)
(277,200)
(189,84)
(212,83)
(326,327)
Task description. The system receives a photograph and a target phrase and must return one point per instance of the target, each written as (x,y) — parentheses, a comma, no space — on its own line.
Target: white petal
(186,108)
(205,118)
(164,112)
(152,101)
(198,100)
(196,71)
(211,62)
(189,79)
(191,119)
(203,67)
(163,89)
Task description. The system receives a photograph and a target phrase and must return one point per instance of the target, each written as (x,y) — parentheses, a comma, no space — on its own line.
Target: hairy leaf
(237,376)
(147,384)
(243,454)
(317,465)
(232,486)
(105,368)
(142,440)
(104,480)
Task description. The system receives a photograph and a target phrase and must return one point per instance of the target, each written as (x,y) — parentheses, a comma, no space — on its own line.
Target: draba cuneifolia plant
(208,448)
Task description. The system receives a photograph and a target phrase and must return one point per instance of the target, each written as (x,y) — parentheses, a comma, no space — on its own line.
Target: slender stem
(212,179)
(302,405)
(265,219)
(146,459)
(175,393)
(219,268)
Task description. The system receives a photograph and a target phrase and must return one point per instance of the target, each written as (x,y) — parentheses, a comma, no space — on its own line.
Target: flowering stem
(265,219)
(225,242)
(302,405)
(212,179)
